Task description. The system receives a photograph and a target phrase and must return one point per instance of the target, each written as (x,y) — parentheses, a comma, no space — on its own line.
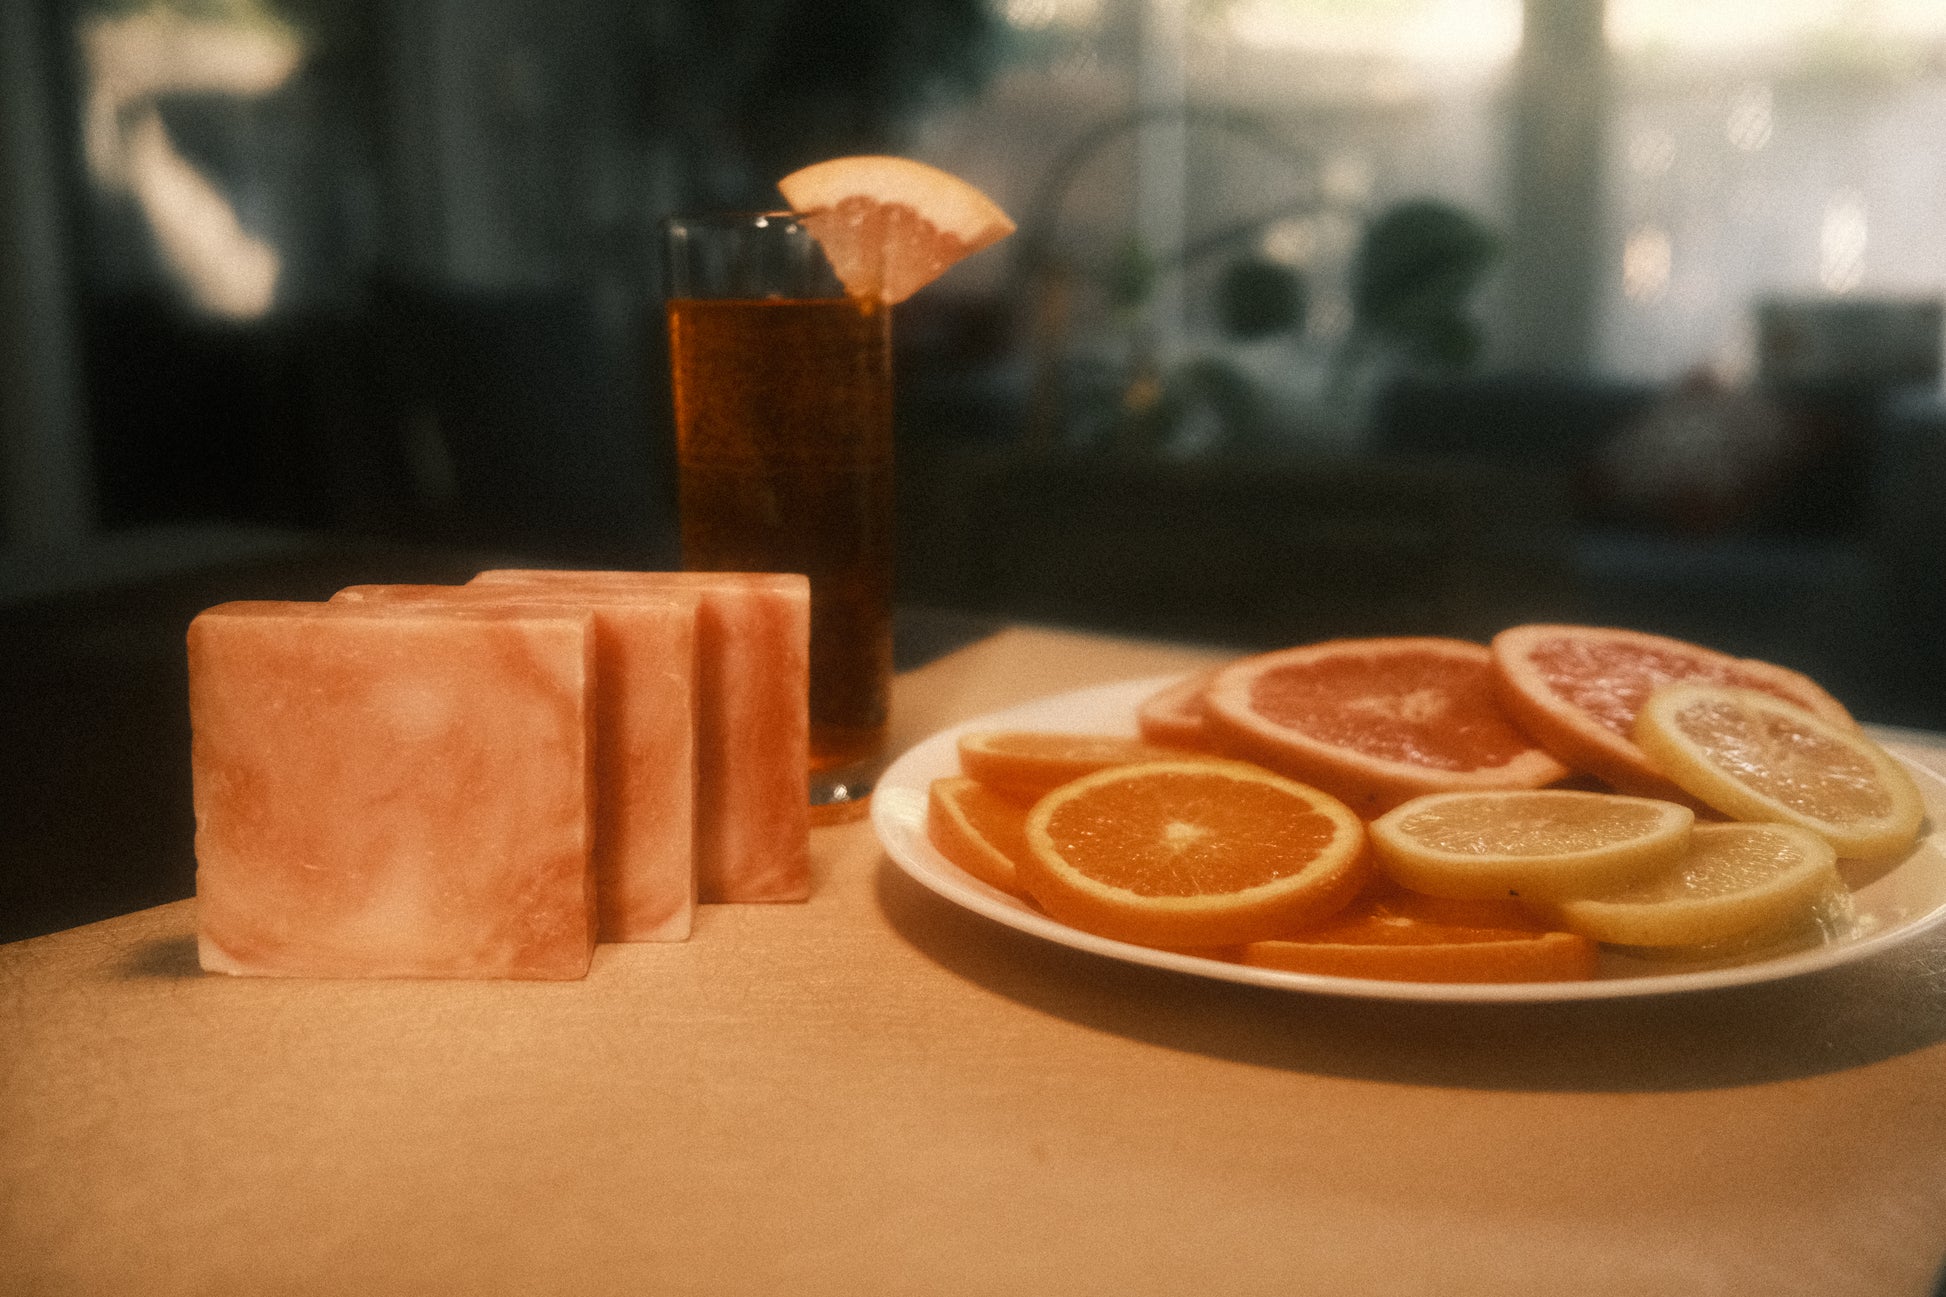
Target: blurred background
(1324,317)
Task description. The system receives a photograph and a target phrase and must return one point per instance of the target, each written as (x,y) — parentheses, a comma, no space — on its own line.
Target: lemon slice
(1737,879)
(1540,844)
(890,226)
(1756,757)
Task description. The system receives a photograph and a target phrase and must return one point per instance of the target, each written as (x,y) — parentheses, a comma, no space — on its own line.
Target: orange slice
(1025,764)
(1753,756)
(890,226)
(1191,853)
(1396,935)
(979,830)
(1577,689)
(1548,843)
(1375,722)
(1174,717)
(1734,881)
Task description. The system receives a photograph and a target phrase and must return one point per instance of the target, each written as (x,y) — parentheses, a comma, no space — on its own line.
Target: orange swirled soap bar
(753,645)
(645,763)
(393,791)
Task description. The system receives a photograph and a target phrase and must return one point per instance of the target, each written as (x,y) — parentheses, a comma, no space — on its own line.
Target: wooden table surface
(877,1092)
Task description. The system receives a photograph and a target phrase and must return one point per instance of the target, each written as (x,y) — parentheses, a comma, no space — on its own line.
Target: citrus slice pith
(1754,756)
(1394,935)
(1578,689)
(1735,880)
(1540,844)
(1375,722)
(979,830)
(1191,853)
(890,226)
(1026,764)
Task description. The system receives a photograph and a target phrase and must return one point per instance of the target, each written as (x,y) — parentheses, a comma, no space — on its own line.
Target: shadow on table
(1824,1022)
(163,957)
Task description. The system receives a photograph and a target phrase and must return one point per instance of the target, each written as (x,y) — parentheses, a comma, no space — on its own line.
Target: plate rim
(898,817)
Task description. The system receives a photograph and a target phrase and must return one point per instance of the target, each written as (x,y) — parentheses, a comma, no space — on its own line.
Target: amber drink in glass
(783,411)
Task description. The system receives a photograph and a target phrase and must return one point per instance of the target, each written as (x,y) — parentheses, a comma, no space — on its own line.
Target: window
(1767,149)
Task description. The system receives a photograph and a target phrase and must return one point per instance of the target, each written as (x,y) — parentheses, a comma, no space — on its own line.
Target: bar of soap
(392,791)
(645,764)
(753,826)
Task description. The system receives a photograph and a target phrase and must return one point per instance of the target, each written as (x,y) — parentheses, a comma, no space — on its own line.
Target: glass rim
(752,218)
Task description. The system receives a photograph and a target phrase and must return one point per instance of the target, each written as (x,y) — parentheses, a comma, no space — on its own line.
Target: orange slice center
(1183,835)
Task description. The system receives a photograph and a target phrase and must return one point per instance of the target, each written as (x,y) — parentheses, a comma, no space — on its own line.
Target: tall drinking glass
(783,405)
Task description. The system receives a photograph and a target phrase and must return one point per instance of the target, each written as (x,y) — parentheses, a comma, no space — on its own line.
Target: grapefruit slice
(1545,844)
(1395,935)
(979,830)
(1025,764)
(1735,880)
(1375,722)
(890,226)
(1753,756)
(1191,853)
(1577,690)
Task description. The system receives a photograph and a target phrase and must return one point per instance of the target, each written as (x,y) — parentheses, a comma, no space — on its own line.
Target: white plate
(1892,902)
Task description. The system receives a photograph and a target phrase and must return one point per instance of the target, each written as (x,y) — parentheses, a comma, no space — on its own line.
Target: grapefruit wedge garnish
(890,226)
(1375,722)
(1578,689)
